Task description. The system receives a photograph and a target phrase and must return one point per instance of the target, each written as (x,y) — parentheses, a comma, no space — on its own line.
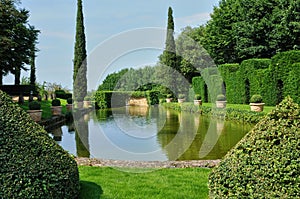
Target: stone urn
(35,111)
(56,110)
(36,115)
(198,102)
(86,104)
(181,100)
(69,104)
(56,107)
(169,100)
(257,107)
(221,104)
(221,101)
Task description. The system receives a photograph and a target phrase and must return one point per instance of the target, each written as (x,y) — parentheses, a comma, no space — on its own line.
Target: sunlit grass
(105,182)
(267,109)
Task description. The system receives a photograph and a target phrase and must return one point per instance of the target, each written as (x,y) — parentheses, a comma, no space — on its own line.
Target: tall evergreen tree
(80,55)
(34,34)
(167,71)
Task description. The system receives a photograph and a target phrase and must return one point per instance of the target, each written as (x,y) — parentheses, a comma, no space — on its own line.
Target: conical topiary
(266,162)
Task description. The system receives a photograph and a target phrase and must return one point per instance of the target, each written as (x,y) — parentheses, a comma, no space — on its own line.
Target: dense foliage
(34,105)
(17,39)
(32,165)
(244,29)
(62,94)
(265,163)
(272,78)
(80,55)
(56,102)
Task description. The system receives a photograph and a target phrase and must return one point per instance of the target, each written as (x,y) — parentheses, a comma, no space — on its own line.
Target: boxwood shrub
(265,163)
(32,165)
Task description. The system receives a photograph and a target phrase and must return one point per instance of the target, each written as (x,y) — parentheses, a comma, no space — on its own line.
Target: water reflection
(82,137)
(57,134)
(152,133)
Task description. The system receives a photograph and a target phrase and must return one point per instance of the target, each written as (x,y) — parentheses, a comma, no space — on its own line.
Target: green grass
(108,183)
(246,107)
(46,107)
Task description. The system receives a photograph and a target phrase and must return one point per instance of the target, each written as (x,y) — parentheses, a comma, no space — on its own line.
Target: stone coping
(146,164)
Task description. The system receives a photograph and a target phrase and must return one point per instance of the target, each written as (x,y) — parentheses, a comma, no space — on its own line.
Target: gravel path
(146,164)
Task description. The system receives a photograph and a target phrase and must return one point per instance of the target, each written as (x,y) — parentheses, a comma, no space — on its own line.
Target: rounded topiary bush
(265,163)
(256,99)
(32,165)
(34,105)
(221,97)
(70,101)
(56,102)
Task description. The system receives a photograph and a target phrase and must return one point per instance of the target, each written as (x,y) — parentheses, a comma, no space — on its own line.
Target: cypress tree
(80,64)
(168,71)
(32,69)
(33,37)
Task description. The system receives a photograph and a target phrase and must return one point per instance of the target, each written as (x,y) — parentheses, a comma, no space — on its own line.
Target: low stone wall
(146,164)
(137,102)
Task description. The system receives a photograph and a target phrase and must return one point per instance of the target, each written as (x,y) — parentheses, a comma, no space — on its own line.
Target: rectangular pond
(148,134)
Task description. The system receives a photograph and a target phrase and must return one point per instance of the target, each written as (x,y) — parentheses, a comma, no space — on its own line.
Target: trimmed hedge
(32,164)
(62,94)
(265,163)
(272,78)
(113,99)
(209,85)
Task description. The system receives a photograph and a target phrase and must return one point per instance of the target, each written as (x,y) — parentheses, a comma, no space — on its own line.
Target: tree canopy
(240,29)
(17,39)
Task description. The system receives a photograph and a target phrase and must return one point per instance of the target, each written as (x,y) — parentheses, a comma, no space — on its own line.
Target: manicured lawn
(46,107)
(105,182)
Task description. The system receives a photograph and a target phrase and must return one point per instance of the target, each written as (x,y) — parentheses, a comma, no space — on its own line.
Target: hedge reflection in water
(178,135)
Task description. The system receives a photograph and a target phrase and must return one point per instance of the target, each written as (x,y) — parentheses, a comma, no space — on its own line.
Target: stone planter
(36,115)
(86,104)
(221,104)
(198,102)
(181,100)
(56,110)
(169,100)
(69,107)
(257,107)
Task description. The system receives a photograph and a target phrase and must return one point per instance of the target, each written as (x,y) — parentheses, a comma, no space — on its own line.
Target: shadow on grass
(90,190)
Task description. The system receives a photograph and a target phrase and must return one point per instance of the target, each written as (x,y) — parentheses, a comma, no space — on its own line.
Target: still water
(155,133)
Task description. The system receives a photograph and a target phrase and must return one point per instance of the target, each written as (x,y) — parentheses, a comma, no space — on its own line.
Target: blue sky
(103,19)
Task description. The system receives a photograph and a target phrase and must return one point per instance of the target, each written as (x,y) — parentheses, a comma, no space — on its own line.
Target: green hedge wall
(209,85)
(114,99)
(265,163)
(32,164)
(231,76)
(273,79)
